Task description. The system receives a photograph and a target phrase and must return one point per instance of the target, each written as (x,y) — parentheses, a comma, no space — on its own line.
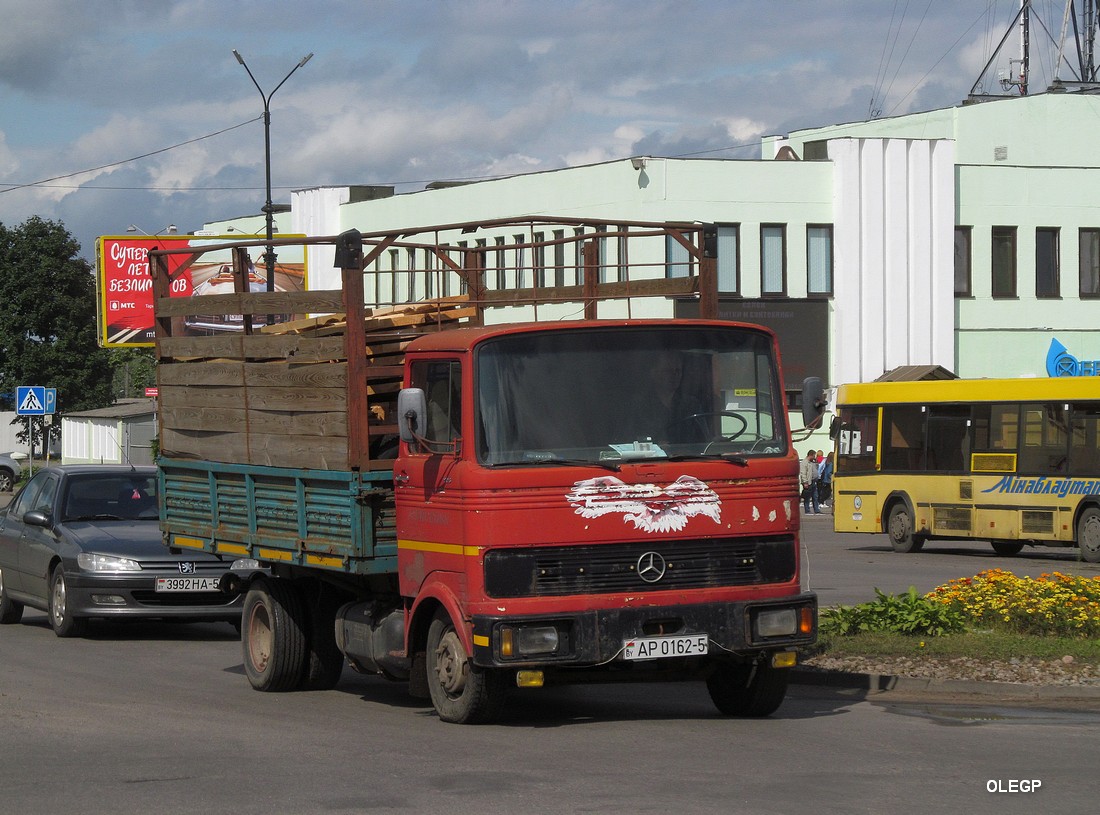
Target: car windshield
(606,395)
(104,497)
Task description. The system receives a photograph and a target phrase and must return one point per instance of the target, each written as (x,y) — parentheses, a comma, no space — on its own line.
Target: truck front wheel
(273,638)
(747,690)
(461,692)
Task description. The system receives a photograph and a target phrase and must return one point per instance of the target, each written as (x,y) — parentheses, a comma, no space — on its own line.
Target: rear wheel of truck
(273,637)
(325,662)
(748,690)
(461,692)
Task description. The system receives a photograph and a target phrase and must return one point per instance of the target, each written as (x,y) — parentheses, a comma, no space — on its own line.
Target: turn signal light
(806,620)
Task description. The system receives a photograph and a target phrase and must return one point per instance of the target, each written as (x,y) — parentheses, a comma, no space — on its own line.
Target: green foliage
(48,317)
(910,614)
(134,370)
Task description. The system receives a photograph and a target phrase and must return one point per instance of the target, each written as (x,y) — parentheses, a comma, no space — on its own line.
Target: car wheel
(747,690)
(273,637)
(7,480)
(462,693)
(63,623)
(11,611)
(899,526)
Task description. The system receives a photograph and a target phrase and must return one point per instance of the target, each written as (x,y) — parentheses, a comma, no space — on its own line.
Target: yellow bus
(1011,461)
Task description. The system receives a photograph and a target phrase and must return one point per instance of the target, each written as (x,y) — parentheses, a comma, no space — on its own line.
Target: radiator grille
(612,568)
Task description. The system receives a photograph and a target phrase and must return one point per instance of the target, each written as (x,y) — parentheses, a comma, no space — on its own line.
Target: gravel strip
(1063,672)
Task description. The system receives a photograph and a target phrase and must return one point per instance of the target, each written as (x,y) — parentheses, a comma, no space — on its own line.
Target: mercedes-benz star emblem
(186,567)
(651,567)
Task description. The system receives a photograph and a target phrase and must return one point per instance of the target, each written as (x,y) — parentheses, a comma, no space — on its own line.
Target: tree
(48,317)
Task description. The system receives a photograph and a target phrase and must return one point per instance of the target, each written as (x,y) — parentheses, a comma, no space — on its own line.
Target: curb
(911,686)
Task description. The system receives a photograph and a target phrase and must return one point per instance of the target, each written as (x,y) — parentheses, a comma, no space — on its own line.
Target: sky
(135,112)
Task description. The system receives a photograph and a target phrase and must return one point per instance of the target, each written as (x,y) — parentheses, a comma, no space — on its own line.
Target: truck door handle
(401,480)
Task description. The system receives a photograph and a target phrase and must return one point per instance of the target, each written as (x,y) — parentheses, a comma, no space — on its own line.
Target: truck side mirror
(412,408)
(813,400)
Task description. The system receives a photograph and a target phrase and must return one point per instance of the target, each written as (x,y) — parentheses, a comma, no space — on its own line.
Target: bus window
(856,440)
(903,437)
(995,427)
(948,438)
(1084,450)
(1045,441)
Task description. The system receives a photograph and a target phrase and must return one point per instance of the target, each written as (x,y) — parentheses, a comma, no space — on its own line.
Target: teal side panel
(337,520)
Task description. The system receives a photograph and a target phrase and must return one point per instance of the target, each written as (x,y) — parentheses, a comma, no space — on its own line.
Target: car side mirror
(412,408)
(36,517)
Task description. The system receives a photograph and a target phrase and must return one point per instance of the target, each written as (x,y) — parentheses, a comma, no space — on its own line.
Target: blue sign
(1061,362)
(30,400)
(51,401)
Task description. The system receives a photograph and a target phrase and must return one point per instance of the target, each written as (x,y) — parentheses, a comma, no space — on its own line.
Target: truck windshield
(618,394)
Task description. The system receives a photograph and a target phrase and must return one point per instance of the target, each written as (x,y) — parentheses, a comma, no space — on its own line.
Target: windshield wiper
(732,458)
(543,461)
(102,516)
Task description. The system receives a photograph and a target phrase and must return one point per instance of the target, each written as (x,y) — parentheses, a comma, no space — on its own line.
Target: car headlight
(91,562)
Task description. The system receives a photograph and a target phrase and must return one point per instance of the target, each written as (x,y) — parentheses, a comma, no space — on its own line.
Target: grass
(991,646)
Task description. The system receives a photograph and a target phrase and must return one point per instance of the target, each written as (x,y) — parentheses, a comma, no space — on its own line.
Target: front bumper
(597,637)
(120,595)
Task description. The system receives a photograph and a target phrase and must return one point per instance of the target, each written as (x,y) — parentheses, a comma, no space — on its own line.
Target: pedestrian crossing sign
(30,400)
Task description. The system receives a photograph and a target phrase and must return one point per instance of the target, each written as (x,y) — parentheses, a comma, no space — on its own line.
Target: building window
(677,258)
(559,257)
(538,250)
(963,234)
(819,259)
(729,259)
(773,259)
(1089,242)
(501,258)
(1004,261)
(1047,278)
(521,262)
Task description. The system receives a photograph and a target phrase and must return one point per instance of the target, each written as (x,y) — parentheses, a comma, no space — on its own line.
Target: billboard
(125,289)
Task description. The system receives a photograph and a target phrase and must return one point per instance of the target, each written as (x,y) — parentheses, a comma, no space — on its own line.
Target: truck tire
(11,611)
(273,637)
(462,693)
(747,690)
(324,663)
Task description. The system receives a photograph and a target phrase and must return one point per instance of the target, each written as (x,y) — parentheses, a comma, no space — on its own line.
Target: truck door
(423,475)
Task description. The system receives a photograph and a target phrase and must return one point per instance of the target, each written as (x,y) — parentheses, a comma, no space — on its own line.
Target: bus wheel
(462,693)
(1007,548)
(273,637)
(899,526)
(1088,535)
(747,690)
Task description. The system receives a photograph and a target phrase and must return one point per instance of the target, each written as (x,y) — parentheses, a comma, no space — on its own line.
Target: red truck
(437,493)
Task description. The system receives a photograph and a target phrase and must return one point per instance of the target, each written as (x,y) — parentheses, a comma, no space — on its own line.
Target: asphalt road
(152,717)
(847,568)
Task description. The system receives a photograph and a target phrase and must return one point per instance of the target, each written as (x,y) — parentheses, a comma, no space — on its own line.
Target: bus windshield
(615,394)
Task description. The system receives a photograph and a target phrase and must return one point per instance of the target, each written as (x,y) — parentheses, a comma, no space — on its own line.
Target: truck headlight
(781,622)
(518,641)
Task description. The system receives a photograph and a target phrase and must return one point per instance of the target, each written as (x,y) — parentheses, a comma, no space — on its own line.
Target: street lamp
(269,210)
(170,229)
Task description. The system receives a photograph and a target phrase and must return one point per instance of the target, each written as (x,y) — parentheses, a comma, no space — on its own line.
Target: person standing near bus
(825,481)
(807,475)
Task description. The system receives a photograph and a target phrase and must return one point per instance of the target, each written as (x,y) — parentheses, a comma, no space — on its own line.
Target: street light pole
(269,209)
